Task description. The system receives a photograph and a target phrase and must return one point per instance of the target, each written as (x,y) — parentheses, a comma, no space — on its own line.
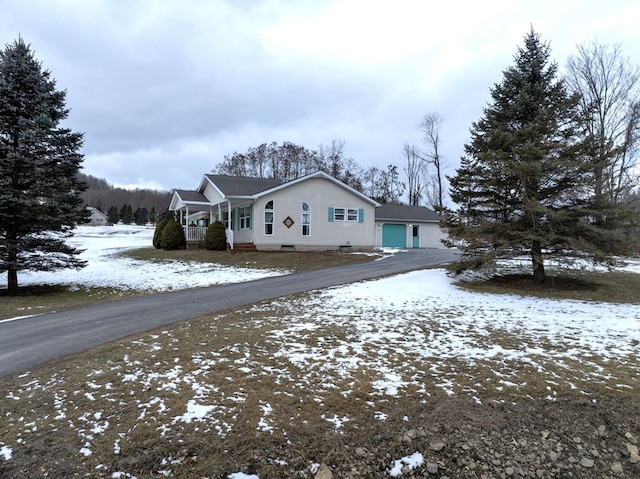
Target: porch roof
(192,196)
(183,198)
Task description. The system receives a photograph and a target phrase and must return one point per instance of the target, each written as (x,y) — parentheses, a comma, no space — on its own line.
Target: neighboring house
(97,217)
(403,226)
(315,212)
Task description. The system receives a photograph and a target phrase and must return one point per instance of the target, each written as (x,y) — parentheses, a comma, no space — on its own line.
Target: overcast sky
(164,89)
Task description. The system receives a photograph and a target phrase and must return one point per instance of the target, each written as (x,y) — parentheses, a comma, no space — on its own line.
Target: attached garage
(394,235)
(404,226)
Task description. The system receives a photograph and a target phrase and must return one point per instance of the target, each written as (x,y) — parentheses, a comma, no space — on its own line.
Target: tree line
(139,206)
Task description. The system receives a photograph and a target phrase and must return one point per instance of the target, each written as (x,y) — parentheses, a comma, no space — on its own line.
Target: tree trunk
(539,275)
(12,280)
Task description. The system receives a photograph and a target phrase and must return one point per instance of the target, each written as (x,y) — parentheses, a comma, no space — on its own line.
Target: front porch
(195,238)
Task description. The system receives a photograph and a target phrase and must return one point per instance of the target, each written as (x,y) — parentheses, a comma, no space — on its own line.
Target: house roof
(191,196)
(406,213)
(241,185)
(242,188)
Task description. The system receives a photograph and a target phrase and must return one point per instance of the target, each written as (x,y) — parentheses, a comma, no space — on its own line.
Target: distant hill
(103,195)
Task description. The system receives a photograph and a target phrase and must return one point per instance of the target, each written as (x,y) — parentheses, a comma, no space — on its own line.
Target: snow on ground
(415,333)
(107,268)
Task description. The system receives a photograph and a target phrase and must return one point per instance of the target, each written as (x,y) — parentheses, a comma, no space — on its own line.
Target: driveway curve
(27,342)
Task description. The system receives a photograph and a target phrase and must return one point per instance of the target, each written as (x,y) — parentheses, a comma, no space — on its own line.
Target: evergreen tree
(126,214)
(153,216)
(40,191)
(113,215)
(521,184)
(141,216)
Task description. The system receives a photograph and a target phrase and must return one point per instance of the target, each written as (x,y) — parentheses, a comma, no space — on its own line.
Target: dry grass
(293,261)
(614,287)
(41,299)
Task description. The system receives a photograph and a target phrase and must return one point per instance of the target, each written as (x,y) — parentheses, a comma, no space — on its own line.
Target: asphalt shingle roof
(192,196)
(406,213)
(242,185)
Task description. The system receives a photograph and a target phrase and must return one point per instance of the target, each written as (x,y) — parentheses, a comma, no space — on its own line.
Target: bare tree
(430,127)
(331,160)
(609,88)
(415,171)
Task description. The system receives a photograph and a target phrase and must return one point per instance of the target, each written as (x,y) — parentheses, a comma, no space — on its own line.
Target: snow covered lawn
(107,268)
(334,359)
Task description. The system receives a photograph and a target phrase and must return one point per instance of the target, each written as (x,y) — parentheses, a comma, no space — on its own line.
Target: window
(268,218)
(306,219)
(244,218)
(353,215)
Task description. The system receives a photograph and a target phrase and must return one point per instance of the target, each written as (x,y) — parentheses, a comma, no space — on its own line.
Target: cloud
(163,90)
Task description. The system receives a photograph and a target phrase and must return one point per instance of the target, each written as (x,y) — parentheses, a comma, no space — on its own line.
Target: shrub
(215,238)
(157,235)
(173,236)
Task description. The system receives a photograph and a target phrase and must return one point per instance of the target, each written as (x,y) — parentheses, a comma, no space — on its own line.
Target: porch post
(230,228)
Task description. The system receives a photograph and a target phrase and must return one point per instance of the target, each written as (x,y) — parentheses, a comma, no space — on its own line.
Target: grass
(292,261)
(614,287)
(47,298)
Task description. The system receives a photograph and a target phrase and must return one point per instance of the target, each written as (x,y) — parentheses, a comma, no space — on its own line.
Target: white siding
(212,194)
(320,194)
(430,236)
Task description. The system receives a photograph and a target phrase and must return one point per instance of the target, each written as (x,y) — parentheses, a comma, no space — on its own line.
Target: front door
(416,236)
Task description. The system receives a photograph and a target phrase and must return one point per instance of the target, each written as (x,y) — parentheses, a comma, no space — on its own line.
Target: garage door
(394,236)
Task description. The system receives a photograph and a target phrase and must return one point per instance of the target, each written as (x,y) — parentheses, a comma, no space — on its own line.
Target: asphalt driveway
(27,342)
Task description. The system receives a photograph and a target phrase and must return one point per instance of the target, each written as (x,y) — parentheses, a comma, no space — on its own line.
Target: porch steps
(244,248)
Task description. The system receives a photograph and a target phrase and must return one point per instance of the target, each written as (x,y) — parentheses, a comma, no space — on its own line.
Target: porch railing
(195,233)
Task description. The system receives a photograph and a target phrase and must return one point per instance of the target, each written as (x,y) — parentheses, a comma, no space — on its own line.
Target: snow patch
(414,460)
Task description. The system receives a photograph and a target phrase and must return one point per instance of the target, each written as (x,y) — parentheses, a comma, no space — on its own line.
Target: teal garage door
(394,236)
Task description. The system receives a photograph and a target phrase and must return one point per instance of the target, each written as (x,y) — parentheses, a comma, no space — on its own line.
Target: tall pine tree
(40,201)
(521,187)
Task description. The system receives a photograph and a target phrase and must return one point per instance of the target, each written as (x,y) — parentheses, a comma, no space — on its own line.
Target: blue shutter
(330,215)
(250,217)
(360,215)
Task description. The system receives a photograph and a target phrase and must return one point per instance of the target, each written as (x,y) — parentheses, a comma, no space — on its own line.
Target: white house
(97,217)
(314,212)
(309,213)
